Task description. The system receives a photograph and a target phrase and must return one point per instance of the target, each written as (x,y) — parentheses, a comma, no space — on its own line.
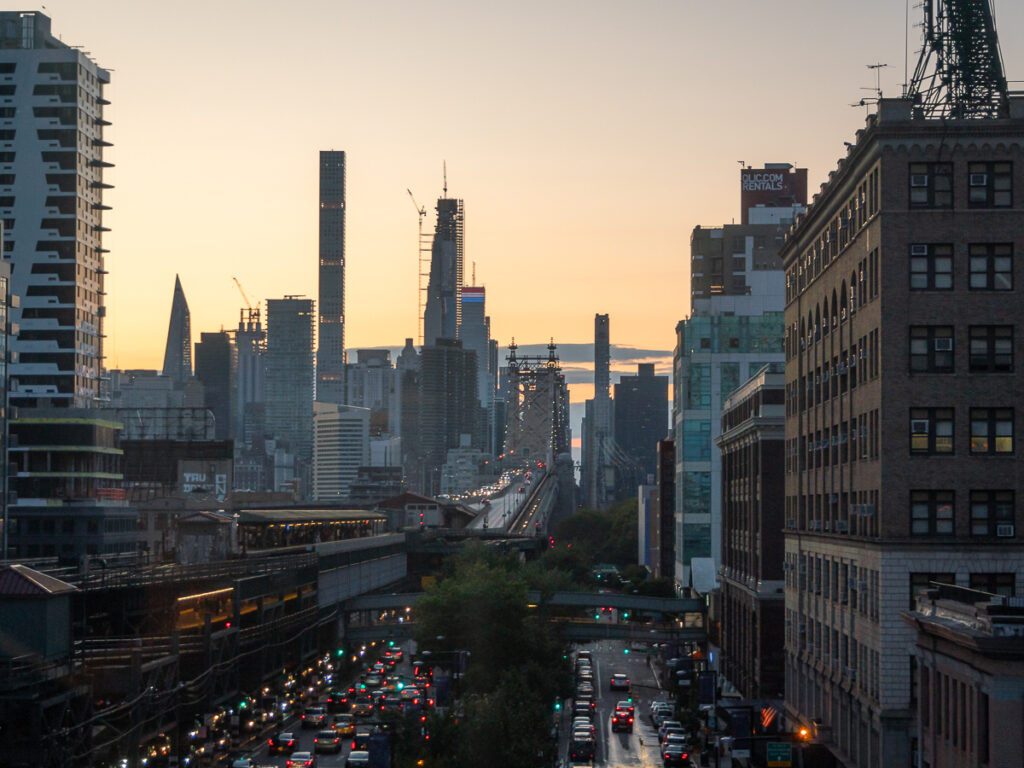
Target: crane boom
(241,291)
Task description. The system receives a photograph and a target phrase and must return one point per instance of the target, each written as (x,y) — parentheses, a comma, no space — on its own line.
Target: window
(990,185)
(992,513)
(991,348)
(931,430)
(931,513)
(931,185)
(991,430)
(991,266)
(931,348)
(931,267)
(995,583)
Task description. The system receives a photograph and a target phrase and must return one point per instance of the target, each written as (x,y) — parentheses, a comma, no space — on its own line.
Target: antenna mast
(960,70)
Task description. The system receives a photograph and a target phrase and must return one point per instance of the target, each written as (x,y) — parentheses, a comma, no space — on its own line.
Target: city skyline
(566,128)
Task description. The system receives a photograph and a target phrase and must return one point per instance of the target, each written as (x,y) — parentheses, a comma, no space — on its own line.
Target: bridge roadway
(522,508)
(363,625)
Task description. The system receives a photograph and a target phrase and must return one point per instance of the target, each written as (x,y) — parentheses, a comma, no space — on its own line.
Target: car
(358,758)
(374,680)
(625,705)
(619,682)
(682,739)
(582,709)
(622,720)
(344,725)
(340,700)
(327,741)
(661,714)
(283,742)
(301,760)
(667,724)
(679,733)
(581,750)
(675,754)
(314,717)
(362,706)
(585,655)
(243,762)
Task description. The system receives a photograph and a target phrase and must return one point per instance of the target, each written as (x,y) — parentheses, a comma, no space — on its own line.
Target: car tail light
(631,719)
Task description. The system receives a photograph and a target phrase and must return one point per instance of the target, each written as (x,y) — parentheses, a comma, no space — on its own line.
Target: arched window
(842,308)
(853,292)
(835,311)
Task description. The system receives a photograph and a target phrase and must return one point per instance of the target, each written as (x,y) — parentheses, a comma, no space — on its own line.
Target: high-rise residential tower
(330,355)
(443,311)
(178,350)
(51,194)
(216,369)
(288,375)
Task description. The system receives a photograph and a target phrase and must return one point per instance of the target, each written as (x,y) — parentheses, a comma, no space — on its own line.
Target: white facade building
(51,195)
(341,444)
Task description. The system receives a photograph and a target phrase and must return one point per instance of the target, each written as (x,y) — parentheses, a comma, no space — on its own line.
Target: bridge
(393,616)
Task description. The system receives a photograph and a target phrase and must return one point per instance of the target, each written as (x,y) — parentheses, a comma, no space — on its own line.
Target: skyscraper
(641,420)
(216,365)
(178,350)
(443,310)
(288,383)
(597,434)
(330,355)
(51,194)
(474,332)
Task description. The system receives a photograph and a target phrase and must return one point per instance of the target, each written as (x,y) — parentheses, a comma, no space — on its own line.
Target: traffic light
(626,651)
(558,706)
(243,704)
(625,614)
(391,643)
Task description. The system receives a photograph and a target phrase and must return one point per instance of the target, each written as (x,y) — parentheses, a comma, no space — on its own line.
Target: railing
(153,575)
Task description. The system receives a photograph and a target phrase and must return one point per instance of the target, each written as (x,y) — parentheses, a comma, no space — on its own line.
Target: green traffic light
(597,617)
(558,705)
(625,651)
(391,643)
(625,614)
(243,705)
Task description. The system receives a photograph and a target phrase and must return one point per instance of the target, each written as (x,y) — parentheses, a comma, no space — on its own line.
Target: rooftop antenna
(878,67)
(444,165)
(474,273)
(960,70)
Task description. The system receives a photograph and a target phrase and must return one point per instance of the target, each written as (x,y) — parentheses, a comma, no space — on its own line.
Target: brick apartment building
(903,342)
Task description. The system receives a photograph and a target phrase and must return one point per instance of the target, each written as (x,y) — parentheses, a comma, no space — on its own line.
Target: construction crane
(242,291)
(423,264)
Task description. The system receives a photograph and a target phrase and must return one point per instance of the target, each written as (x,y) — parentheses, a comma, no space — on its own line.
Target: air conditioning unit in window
(944,345)
(919,249)
(979,179)
(842,526)
(919,426)
(1005,530)
(919,179)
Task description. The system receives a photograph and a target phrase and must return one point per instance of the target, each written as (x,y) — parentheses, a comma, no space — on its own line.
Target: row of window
(932,348)
(933,513)
(848,441)
(829,380)
(989,185)
(990,267)
(931,431)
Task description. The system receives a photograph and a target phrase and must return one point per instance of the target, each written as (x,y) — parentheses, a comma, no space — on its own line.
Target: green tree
(514,660)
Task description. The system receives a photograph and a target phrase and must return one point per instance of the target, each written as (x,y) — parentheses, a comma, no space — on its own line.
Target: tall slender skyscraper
(443,311)
(51,194)
(330,356)
(599,477)
(178,351)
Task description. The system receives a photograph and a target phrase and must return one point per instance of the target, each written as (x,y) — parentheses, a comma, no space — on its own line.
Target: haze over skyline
(586,138)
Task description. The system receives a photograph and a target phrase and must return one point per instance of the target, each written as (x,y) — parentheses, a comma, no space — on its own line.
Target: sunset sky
(587,139)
